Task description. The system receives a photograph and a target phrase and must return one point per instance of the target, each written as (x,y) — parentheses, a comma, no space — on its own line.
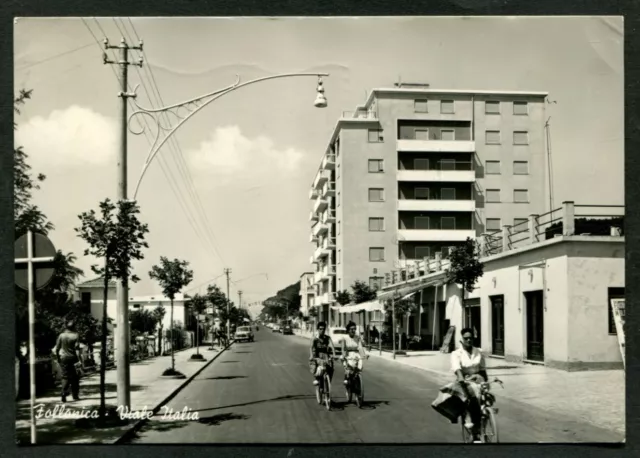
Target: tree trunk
(173,357)
(103,348)
(160,337)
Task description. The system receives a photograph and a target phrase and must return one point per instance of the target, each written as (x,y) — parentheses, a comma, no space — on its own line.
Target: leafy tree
(116,240)
(198,305)
(362,292)
(465,267)
(172,276)
(343,297)
(159,312)
(143,321)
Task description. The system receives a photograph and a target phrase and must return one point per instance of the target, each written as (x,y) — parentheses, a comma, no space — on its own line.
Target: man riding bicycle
(321,349)
(469,366)
(352,351)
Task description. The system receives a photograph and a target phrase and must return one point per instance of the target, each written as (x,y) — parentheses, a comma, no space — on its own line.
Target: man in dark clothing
(68,355)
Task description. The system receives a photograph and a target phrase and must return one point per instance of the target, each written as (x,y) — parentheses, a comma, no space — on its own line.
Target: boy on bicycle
(321,348)
(353,352)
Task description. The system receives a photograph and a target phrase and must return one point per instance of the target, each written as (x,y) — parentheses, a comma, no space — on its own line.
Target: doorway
(535,325)
(443,324)
(472,320)
(497,325)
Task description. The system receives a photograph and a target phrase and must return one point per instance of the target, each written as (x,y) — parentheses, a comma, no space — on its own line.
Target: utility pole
(122,319)
(240,300)
(227,272)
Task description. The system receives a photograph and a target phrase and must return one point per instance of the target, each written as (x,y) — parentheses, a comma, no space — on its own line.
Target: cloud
(227,152)
(75,136)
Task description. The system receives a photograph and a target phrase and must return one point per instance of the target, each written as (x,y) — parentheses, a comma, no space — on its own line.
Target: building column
(533,223)
(568,218)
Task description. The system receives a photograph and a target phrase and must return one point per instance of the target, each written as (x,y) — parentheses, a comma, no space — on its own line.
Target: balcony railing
(360,114)
(329,161)
(313,216)
(329,189)
(329,243)
(445,166)
(329,216)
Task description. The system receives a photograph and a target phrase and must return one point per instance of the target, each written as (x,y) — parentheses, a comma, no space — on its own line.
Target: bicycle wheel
(319,394)
(327,392)
(489,427)
(359,390)
(348,390)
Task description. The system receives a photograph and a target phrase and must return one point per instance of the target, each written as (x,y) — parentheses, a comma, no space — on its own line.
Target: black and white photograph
(319,230)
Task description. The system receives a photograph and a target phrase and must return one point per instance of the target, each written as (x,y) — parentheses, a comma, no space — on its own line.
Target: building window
(422,134)
(422,252)
(521,225)
(376,224)
(421,193)
(448,194)
(376,166)
(520,108)
(613,293)
(492,225)
(493,195)
(447,164)
(447,223)
(375,136)
(376,195)
(375,282)
(492,167)
(492,137)
(376,254)
(446,107)
(421,164)
(520,138)
(420,106)
(521,196)
(448,135)
(492,107)
(521,167)
(421,222)
(446,251)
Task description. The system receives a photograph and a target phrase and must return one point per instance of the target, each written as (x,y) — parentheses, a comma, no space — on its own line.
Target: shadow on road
(163,426)
(227,362)
(262,401)
(368,405)
(216,420)
(224,377)
(242,352)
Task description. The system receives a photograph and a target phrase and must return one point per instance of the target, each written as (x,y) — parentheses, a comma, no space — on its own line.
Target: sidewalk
(148,390)
(596,397)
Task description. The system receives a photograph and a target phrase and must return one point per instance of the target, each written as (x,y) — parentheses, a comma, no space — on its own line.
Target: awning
(370,306)
(403,291)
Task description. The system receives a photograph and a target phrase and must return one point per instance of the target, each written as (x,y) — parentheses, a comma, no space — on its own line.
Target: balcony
(325,298)
(321,178)
(435,235)
(312,259)
(312,238)
(318,254)
(329,190)
(452,176)
(313,216)
(319,229)
(320,204)
(329,243)
(361,113)
(436,205)
(318,276)
(331,270)
(436,146)
(328,162)
(313,193)
(329,217)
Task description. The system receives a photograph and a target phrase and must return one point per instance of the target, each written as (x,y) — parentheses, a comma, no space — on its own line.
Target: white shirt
(469,364)
(352,344)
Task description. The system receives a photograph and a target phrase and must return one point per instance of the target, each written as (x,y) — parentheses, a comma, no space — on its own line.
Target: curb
(136,427)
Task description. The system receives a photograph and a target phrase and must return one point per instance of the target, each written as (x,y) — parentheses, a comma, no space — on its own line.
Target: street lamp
(192,106)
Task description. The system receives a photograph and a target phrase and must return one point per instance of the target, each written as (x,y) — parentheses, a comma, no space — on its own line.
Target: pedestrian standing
(68,355)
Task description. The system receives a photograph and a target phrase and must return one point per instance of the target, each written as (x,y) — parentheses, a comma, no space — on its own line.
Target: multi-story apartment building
(415,171)
(307,292)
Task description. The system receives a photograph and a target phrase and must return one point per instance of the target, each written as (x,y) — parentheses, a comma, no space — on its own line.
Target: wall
(593,268)
(407,249)
(506,153)
(97,295)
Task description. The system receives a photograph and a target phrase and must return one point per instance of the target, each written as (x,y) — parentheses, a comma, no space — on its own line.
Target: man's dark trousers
(70,377)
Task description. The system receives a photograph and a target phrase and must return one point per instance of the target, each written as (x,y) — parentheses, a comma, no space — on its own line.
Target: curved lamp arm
(191,106)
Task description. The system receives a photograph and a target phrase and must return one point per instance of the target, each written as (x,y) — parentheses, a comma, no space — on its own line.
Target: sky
(232,190)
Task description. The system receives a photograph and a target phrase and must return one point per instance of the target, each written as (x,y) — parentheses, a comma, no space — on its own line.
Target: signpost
(34,254)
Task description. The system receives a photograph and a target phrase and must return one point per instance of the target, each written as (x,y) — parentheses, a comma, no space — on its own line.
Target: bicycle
(354,385)
(488,412)
(323,389)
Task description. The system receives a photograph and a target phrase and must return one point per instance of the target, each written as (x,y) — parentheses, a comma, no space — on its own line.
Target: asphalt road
(262,392)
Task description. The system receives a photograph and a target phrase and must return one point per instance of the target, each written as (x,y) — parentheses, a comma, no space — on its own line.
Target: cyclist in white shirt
(468,364)
(352,351)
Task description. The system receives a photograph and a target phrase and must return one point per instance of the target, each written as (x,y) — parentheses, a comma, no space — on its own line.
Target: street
(262,392)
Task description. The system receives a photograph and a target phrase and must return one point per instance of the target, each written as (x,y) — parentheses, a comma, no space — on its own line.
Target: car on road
(337,335)
(244,333)
(286,330)
(276,328)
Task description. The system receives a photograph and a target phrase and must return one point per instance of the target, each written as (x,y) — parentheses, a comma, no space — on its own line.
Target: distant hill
(290,294)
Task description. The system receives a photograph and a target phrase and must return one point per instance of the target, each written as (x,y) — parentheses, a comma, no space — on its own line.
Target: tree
(172,276)
(116,240)
(362,292)
(143,321)
(343,297)
(199,307)
(159,312)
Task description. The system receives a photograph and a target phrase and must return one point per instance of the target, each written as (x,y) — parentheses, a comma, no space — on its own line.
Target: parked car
(276,328)
(337,335)
(286,330)
(244,333)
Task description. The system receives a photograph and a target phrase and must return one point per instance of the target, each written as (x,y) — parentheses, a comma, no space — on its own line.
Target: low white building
(307,292)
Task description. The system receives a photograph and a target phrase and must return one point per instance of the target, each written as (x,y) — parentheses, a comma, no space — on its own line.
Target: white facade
(307,292)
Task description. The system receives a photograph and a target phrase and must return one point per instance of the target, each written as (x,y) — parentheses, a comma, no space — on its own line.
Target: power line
(48,59)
